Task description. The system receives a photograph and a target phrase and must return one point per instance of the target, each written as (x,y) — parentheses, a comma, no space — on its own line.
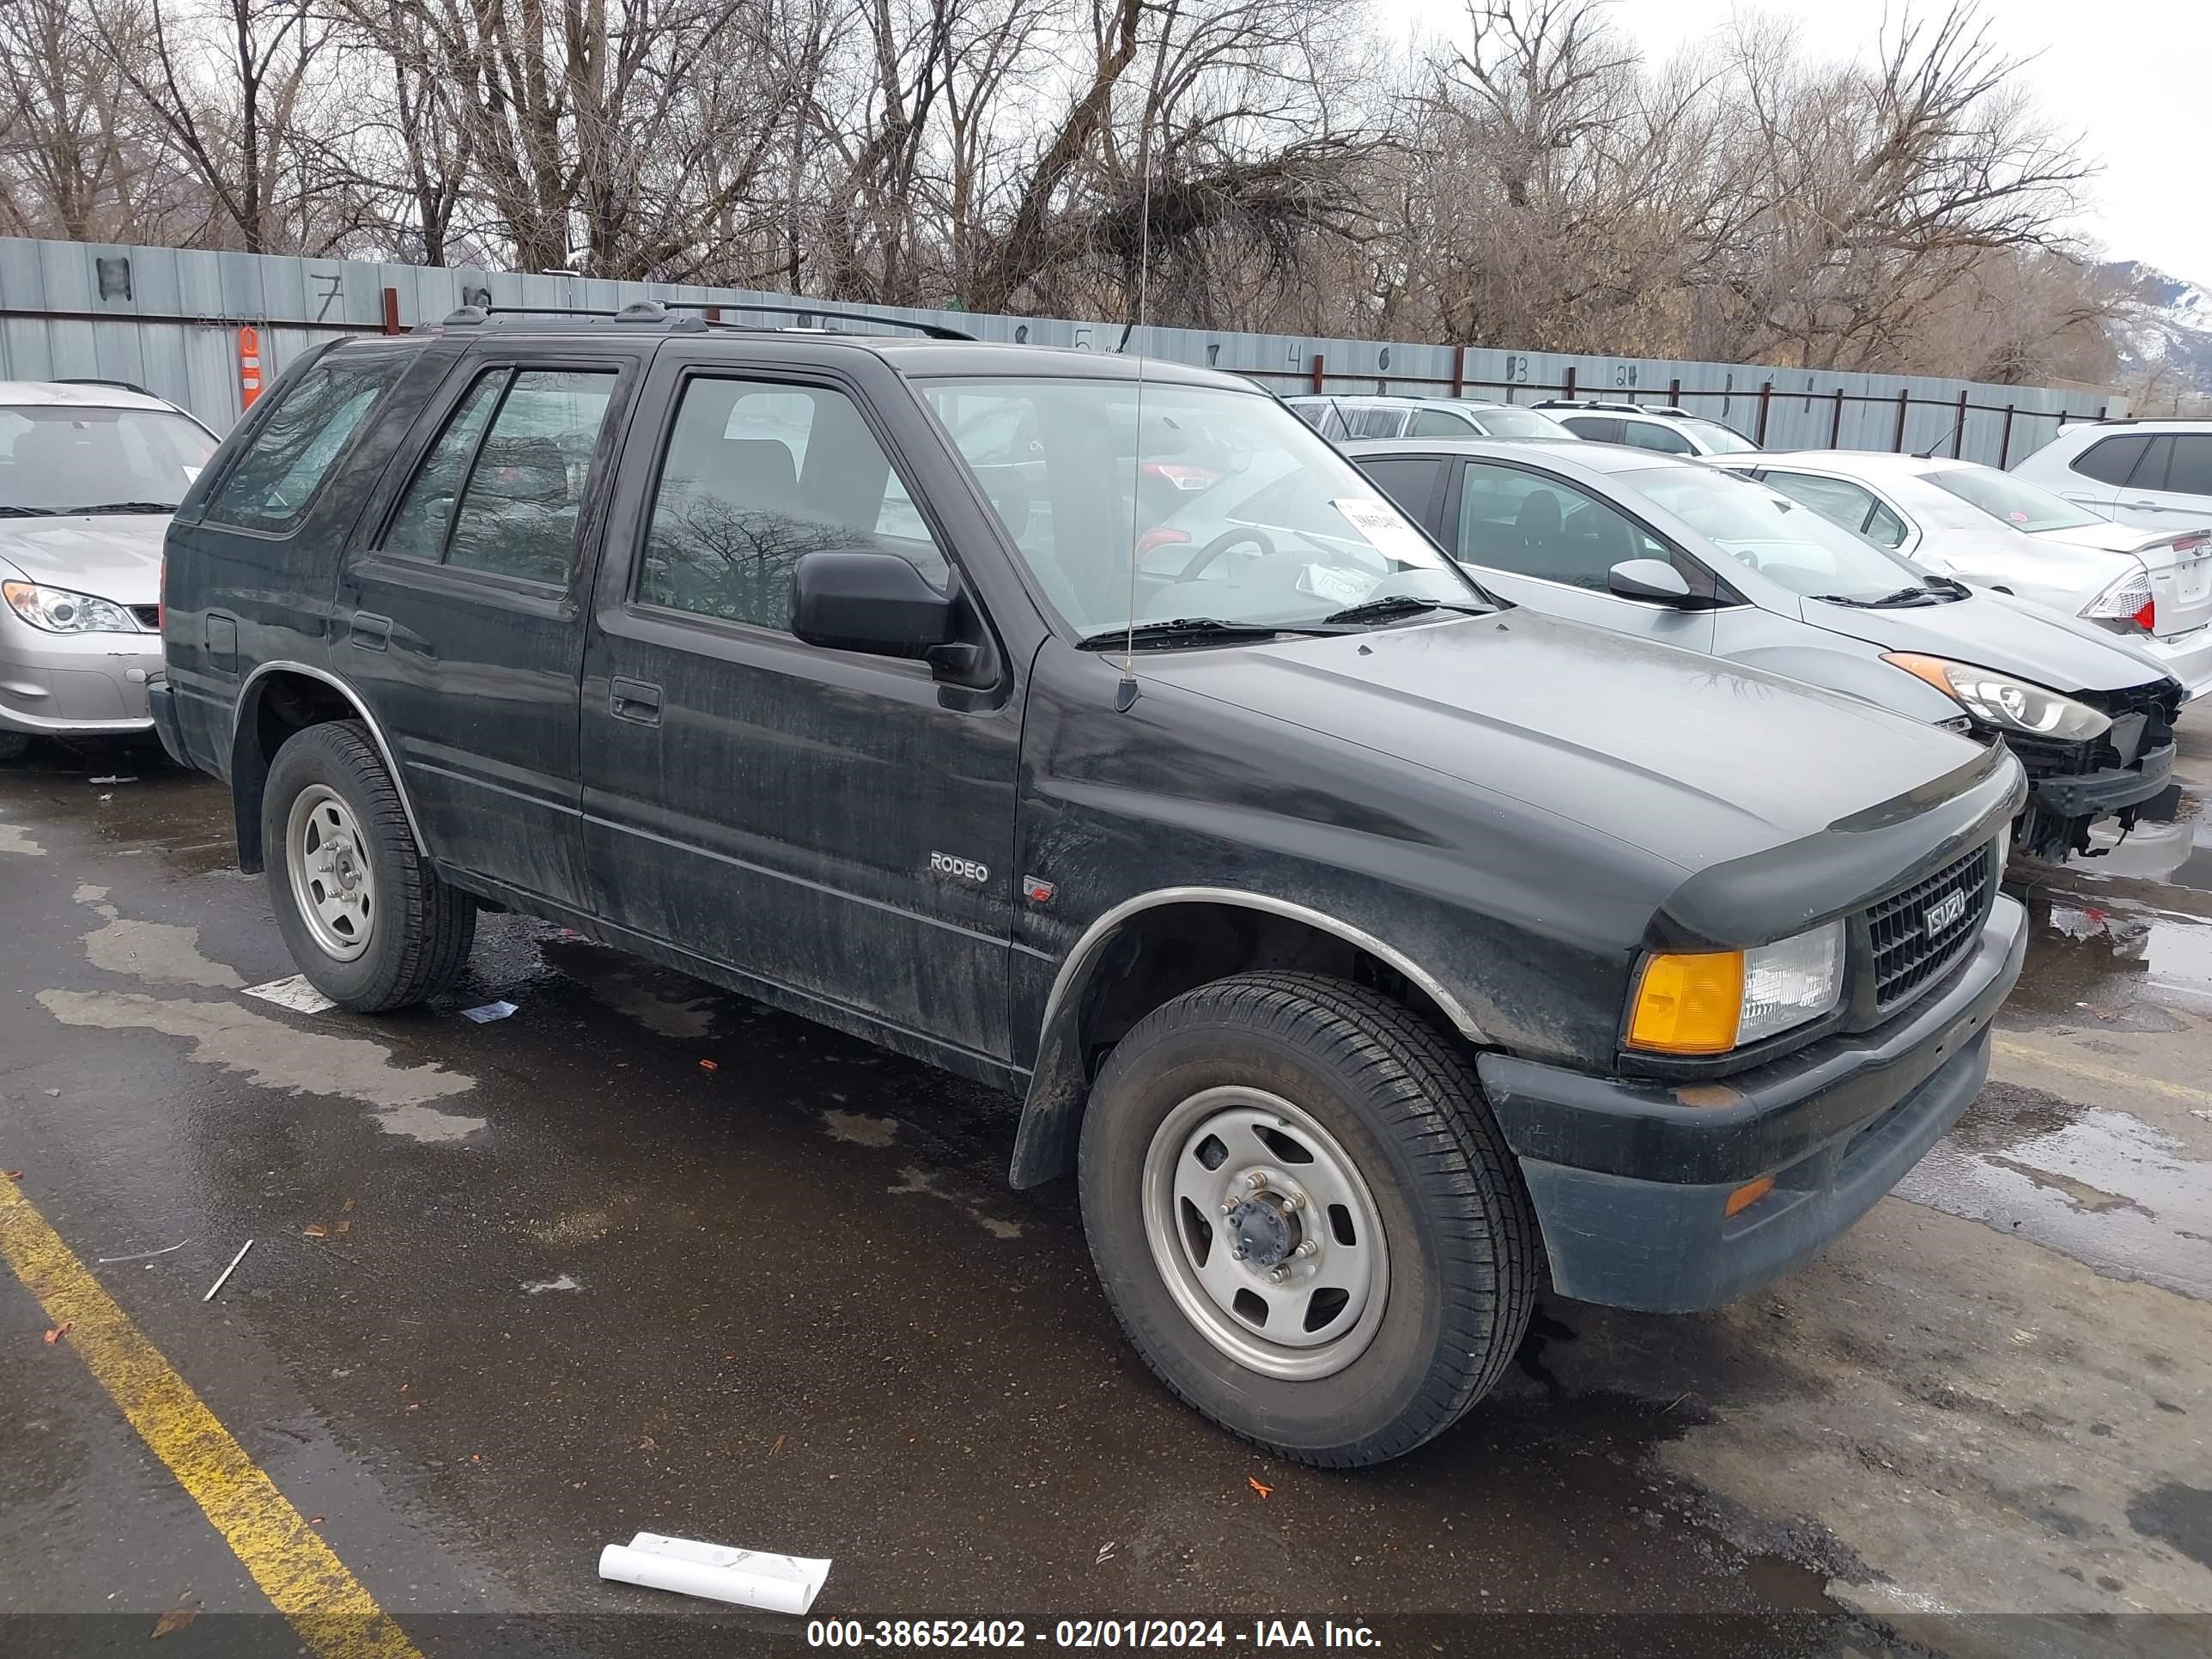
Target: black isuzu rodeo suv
(1365,946)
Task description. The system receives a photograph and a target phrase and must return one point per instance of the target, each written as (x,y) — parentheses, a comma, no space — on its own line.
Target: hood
(1686,756)
(1994,630)
(116,557)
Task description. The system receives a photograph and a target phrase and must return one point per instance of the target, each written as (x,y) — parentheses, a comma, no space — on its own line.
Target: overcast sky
(2134,77)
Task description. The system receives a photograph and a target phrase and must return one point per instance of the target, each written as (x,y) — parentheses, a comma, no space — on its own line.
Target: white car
(90,474)
(1384,416)
(2151,587)
(2153,474)
(1643,426)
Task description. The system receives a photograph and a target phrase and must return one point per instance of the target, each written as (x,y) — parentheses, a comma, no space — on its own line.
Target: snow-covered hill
(2171,326)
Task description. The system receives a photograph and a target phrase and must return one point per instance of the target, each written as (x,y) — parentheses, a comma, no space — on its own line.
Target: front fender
(1855,674)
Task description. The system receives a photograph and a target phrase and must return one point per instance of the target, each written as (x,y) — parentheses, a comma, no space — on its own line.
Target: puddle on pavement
(2096,960)
(2099,1186)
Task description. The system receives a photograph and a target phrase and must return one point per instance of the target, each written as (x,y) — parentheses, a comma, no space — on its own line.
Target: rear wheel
(1305,1217)
(370,923)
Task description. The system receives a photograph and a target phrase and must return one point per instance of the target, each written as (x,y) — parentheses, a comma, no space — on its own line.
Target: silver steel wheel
(331,881)
(1265,1233)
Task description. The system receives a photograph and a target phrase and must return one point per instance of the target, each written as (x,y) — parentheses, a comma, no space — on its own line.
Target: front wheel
(1305,1217)
(370,923)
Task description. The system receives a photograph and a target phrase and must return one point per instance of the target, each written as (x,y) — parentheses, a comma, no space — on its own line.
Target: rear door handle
(370,632)
(633,700)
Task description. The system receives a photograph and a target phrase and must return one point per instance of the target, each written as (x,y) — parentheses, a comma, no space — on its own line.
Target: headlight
(60,612)
(2128,599)
(2000,701)
(1715,1001)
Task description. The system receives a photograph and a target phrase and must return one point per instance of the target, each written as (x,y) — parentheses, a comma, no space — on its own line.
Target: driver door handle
(634,701)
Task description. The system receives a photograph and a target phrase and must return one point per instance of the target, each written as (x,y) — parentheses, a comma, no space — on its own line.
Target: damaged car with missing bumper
(1368,949)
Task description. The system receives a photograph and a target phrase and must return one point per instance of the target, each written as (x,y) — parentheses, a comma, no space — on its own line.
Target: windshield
(61,457)
(1791,546)
(1504,422)
(1235,511)
(1720,440)
(2016,501)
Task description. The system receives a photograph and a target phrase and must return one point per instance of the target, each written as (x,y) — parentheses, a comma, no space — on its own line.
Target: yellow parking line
(335,1616)
(2118,1079)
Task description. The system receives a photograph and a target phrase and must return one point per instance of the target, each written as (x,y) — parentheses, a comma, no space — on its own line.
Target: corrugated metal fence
(168,320)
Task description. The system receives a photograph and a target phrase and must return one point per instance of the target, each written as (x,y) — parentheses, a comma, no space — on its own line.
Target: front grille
(1907,955)
(150,616)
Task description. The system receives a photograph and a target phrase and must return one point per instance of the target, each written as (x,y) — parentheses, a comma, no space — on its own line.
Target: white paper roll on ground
(750,1579)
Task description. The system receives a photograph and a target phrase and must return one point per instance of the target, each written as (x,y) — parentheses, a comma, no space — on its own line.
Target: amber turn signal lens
(1688,1004)
(1749,1194)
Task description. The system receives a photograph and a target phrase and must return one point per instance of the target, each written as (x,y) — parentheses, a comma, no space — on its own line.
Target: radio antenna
(1125,695)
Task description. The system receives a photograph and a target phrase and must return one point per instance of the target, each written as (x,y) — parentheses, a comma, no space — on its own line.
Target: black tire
(1463,1249)
(424,928)
(13,746)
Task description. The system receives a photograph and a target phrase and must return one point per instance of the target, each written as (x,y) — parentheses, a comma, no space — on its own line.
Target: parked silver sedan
(2150,588)
(89,476)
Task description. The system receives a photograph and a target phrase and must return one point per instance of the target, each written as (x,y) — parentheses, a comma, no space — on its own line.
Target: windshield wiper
(1902,596)
(122,506)
(1196,628)
(27,512)
(1402,605)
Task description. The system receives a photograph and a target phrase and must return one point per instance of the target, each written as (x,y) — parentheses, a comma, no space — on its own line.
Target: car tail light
(1161,536)
(2127,600)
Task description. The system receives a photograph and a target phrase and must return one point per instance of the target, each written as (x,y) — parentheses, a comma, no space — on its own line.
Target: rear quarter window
(2111,460)
(271,484)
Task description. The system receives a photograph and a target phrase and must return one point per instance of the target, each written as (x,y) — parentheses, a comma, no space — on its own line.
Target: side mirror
(1647,579)
(873,602)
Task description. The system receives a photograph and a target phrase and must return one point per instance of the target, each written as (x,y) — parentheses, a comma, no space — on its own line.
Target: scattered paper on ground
(294,993)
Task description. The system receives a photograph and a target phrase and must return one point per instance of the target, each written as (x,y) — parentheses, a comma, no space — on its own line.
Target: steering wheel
(1208,556)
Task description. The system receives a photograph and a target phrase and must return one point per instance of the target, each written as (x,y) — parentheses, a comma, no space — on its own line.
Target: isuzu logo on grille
(1945,911)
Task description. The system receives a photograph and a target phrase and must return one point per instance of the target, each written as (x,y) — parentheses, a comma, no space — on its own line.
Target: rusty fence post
(1766,400)
(391,311)
(1836,423)
(1567,389)
(2004,443)
(1959,432)
(1904,406)
(1459,371)
(1320,368)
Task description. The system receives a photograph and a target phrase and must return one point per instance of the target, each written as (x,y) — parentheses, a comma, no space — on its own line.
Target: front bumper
(2094,793)
(1631,1179)
(73,684)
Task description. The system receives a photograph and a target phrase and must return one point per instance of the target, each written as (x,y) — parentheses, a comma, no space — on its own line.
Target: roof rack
(657,311)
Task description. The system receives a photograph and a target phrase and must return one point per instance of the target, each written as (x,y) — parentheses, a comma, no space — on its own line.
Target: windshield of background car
(1233,508)
(63,457)
(2017,502)
(1789,544)
(1503,422)
(1718,438)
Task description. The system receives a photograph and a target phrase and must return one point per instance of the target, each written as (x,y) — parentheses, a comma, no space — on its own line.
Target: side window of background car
(1538,527)
(1384,422)
(502,489)
(1409,480)
(2190,470)
(1439,423)
(1642,435)
(1835,500)
(2111,460)
(270,486)
(1598,428)
(757,475)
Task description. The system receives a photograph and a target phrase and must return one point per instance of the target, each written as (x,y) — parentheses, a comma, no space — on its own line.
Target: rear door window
(2111,460)
(1381,422)
(1598,428)
(269,488)
(502,489)
(1440,423)
(1409,480)
(2190,470)
(1645,434)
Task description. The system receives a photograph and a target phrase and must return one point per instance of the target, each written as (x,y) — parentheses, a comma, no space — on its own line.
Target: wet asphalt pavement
(647,1256)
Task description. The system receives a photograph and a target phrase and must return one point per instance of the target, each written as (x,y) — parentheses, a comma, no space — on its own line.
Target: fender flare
(1044,1145)
(256,771)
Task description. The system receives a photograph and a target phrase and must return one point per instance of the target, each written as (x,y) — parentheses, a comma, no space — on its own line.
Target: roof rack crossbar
(933,330)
